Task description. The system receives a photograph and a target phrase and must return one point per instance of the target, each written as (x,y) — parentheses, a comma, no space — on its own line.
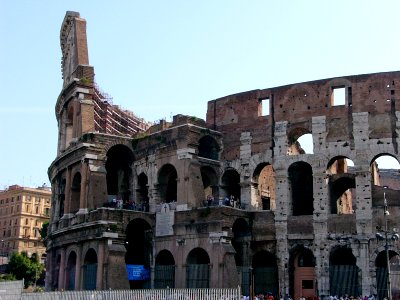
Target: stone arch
(230,183)
(302,277)
(208,148)
(343,272)
(198,269)
(263,184)
(70,271)
(142,193)
(168,183)
(61,196)
(375,169)
(342,184)
(90,270)
(241,243)
(301,186)
(210,182)
(119,173)
(138,245)
(164,272)
(294,146)
(75,192)
(382,274)
(265,273)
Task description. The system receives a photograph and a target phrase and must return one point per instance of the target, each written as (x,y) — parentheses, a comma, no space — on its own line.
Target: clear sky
(161,58)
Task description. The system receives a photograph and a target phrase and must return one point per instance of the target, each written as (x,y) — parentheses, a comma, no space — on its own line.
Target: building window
(338,96)
(37,209)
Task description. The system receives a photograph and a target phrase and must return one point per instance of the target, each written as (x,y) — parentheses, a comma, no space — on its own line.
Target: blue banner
(137,272)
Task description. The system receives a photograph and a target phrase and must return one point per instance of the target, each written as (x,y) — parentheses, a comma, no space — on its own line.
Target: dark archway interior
(142,192)
(301,179)
(231,183)
(208,148)
(118,166)
(168,183)
(138,248)
(75,192)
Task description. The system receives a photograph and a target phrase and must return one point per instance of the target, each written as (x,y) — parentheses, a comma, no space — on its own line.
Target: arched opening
(138,245)
(241,243)
(69,124)
(208,148)
(302,279)
(70,272)
(385,175)
(90,270)
(168,183)
(301,184)
(164,273)
(56,273)
(119,173)
(265,273)
(343,272)
(263,184)
(210,183)
(61,197)
(382,274)
(198,269)
(75,192)
(142,194)
(342,184)
(231,187)
(300,141)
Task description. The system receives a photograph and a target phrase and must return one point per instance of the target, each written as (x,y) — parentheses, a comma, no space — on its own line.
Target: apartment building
(23,211)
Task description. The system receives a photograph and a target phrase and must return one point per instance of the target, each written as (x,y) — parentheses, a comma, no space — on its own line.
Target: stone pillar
(100,266)
(363,200)
(78,269)
(83,192)
(67,201)
(363,264)
(61,275)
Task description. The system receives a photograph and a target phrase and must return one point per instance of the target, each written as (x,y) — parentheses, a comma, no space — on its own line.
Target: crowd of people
(231,201)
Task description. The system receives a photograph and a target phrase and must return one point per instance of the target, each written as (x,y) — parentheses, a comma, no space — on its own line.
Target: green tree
(24,267)
(43,231)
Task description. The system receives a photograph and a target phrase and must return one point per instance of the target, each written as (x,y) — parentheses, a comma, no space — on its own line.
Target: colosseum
(230,200)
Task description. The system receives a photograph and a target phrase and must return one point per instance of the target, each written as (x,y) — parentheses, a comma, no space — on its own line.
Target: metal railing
(161,294)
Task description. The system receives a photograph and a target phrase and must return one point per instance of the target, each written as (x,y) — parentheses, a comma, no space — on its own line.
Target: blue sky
(161,58)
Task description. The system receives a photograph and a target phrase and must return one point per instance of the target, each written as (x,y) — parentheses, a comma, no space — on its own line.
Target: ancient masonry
(232,200)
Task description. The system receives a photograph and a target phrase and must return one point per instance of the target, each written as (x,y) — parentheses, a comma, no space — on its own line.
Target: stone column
(100,266)
(84,181)
(78,269)
(61,275)
(363,264)
(363,200)
(67,201)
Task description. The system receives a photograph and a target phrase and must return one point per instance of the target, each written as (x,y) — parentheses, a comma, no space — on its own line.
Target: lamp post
(384,236)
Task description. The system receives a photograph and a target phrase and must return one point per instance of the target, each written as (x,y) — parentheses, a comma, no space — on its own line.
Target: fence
(154,294)
(11,290)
